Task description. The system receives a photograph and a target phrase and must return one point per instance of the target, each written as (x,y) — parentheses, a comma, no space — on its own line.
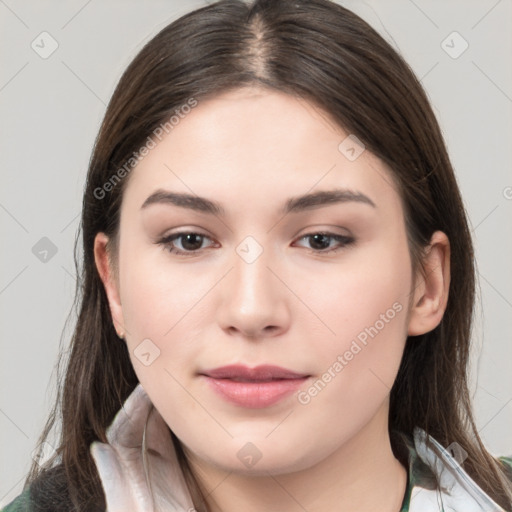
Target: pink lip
(257,387)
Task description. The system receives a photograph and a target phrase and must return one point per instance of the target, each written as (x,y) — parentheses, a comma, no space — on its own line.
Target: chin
(247,459)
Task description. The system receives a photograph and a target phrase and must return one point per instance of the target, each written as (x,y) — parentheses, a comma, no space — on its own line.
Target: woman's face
(271,273)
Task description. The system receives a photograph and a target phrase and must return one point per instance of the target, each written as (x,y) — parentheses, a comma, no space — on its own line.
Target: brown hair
(325,54)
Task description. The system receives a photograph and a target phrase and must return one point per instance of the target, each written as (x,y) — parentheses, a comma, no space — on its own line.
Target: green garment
(20,504)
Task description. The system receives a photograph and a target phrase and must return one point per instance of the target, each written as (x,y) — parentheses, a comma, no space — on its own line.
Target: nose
(254,302)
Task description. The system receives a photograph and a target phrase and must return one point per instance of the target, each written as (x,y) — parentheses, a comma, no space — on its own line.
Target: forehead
(255,124)
(255,144)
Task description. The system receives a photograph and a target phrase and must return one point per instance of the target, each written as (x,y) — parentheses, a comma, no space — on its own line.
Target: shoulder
(506,462)
(50,492)
(21,503)
(46,493)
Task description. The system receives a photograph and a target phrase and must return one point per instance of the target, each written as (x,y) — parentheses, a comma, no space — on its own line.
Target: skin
(251,150)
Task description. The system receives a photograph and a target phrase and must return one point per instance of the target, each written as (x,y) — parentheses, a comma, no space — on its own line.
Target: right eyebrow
(193,202)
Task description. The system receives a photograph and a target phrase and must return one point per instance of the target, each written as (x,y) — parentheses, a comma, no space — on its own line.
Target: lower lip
(255,395)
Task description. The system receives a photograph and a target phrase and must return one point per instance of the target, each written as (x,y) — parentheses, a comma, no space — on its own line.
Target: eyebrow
(292,205)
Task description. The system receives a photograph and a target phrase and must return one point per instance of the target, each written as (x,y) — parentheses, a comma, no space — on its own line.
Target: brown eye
(191,241)
(326,242)
(184,243)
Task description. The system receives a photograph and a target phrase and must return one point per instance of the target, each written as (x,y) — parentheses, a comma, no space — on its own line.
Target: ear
(106,272)
(432,284)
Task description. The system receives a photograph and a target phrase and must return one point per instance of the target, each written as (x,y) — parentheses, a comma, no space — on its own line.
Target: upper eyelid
(326,232)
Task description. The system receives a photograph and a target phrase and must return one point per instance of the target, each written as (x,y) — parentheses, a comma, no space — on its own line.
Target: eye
(325,242)
(185,243)
(190,243)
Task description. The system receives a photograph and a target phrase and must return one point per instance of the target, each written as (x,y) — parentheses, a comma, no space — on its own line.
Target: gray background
(50,111)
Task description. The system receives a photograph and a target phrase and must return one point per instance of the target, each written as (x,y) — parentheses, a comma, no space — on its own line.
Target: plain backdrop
(51,106)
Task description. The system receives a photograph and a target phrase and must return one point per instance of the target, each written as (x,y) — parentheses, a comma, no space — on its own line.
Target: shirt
(436,481)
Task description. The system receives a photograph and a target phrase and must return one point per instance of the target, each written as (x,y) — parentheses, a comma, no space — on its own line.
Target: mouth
(260,373)
(254,388)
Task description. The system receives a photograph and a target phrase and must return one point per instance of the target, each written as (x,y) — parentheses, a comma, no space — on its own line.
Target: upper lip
(262,372)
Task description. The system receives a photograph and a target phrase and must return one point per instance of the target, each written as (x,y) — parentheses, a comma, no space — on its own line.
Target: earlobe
(430,292)
(106,272)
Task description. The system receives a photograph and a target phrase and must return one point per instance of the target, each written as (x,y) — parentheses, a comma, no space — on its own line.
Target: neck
(362,474)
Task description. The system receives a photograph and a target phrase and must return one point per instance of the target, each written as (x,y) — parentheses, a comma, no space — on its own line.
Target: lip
(255,388)
(262,372)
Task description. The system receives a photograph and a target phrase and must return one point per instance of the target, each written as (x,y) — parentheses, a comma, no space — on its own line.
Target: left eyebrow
(292,205)
(325,198)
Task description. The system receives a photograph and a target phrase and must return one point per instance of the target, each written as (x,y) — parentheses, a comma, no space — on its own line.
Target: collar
(140,471)
(436,480)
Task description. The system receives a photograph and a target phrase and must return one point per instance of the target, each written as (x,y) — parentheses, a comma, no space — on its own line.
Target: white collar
(125,481)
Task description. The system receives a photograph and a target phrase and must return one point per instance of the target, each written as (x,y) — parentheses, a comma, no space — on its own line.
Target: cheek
(357,365)
(363,298)
(365,308)
(159,298)
(158,309)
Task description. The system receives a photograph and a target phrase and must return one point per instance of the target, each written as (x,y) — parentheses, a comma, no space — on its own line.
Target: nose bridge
(253,301)
(251,277)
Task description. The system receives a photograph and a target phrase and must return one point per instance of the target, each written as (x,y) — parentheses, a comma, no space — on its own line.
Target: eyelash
(167,241)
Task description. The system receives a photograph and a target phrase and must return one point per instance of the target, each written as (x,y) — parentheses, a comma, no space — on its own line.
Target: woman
(277,284)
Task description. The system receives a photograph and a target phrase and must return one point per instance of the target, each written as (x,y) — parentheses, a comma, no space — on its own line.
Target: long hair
(318,51)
